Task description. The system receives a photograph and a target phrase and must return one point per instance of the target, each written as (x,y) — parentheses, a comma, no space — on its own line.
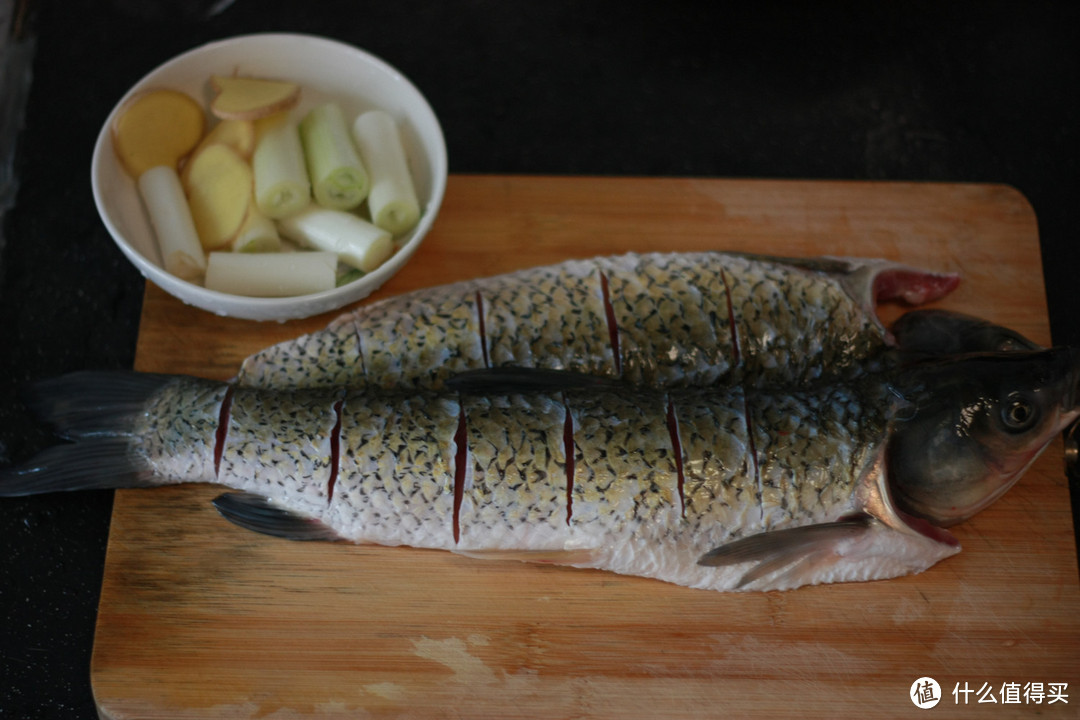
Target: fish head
(974,424)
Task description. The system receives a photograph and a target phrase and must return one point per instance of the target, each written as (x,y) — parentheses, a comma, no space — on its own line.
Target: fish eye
(1018,413)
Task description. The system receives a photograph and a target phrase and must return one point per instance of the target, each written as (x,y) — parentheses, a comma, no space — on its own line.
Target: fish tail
(91,464)
(93,403)
(97,414)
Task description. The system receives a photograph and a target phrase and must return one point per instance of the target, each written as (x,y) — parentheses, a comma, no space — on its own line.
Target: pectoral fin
(254,512)
(794,548)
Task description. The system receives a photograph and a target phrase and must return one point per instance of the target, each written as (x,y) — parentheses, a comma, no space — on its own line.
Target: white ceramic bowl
(325,69)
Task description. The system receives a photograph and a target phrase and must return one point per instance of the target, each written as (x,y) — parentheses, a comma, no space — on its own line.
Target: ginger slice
(156,127)
(248,98)
(218,183)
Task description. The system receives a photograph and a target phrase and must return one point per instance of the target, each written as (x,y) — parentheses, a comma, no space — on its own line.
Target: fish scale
(672,316)
(396,473)
(288,440)
(676,319)
(720,487)
(810,448)
(554,319)
(177,432)
(797,327)
(515,484)
(443,337)
(624,471)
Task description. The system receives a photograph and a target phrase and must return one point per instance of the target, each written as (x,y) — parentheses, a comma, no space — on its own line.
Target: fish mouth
(927,528)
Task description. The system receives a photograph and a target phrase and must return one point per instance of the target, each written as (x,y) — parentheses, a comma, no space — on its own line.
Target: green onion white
(392,198)
(282,187)
(181,252)
(257,234)
(281,274)
(338,178)
(356,241)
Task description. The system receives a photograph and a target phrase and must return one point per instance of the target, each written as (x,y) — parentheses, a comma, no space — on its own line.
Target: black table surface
(957,92)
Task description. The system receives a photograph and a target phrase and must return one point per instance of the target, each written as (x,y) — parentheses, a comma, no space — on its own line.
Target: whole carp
(713,420)
(724,487)
(658,319)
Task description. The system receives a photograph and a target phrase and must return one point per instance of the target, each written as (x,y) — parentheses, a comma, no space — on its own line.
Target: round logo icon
(925,693)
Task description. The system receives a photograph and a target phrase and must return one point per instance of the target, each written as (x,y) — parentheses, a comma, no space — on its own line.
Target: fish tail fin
(96,412)
(91,464)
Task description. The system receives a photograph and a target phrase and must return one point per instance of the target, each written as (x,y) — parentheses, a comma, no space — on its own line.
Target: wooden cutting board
(201,619)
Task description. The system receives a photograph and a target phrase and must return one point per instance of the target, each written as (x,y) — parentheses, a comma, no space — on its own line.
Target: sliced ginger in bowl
(250,98)
(218,184)
(237,134)
(156,127)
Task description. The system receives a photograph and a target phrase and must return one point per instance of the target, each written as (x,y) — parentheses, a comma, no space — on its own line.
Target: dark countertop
(963,91)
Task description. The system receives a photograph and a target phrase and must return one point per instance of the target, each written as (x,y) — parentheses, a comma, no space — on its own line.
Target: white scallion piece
(257,234)
(356,241)
(282,187)
(282,274)
(338,178)
(392,198)
(181,252)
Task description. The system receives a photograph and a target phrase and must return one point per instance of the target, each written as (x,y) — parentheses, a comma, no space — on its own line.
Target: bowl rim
(281,308)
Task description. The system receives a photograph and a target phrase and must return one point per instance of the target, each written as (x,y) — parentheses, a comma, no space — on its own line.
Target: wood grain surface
(199,618)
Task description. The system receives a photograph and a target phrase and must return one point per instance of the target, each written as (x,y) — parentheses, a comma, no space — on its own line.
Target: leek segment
(282,274)
(257,234)
(356,241)
(282,187)
(339,180)
(162,194)
(392,199)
